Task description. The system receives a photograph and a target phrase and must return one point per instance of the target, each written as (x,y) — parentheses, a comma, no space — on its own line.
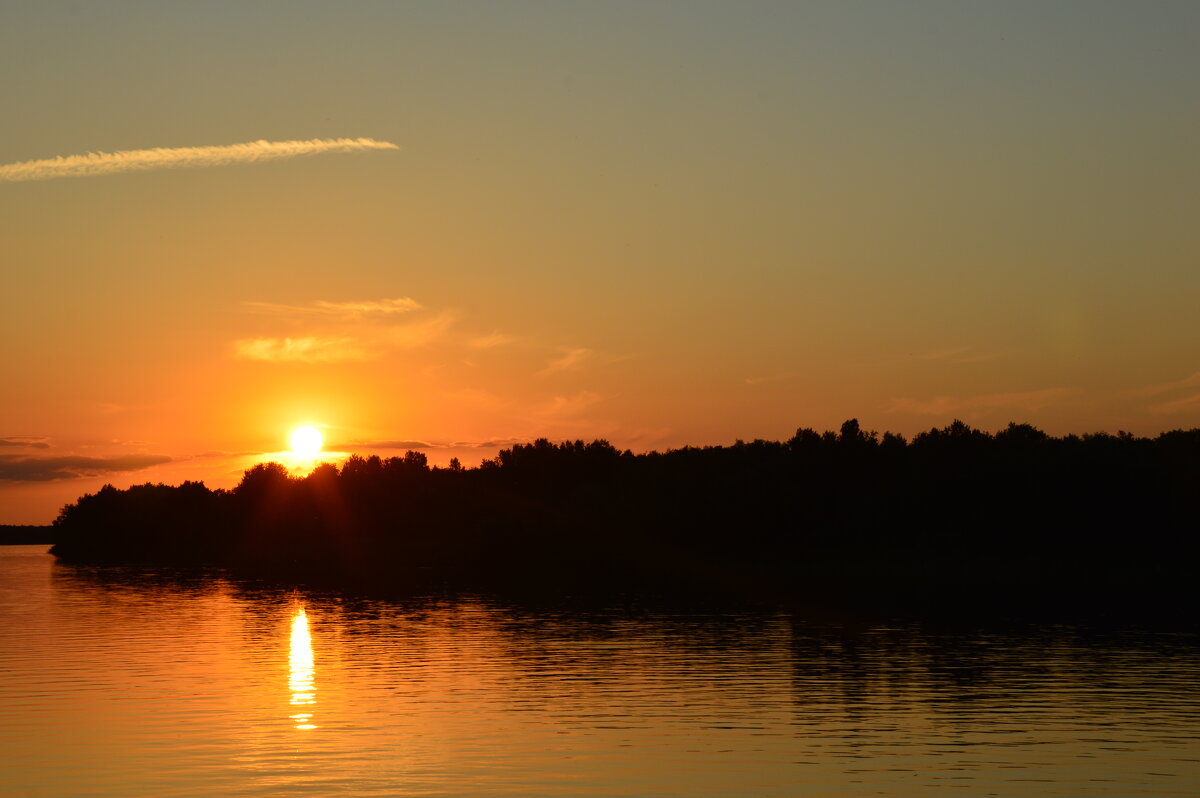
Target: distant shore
(26,535)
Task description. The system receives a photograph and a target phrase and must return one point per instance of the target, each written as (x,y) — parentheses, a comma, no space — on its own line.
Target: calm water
(142,684)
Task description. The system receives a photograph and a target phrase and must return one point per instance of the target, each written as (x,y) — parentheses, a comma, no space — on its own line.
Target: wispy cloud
(1161,393)
(1190,381)
(344,310)
(107,163)
(768,379)
(16,468)
(390,445)
(949,405)
(494,443)
(384,307)
(956,354)
(351,337)
(418,333)
(570,405)
(25,441)
(1178,405)
(361,445)
(310,349)
(570,359)
(490,341)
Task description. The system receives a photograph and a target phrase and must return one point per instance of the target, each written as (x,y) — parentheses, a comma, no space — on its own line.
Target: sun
(306,441)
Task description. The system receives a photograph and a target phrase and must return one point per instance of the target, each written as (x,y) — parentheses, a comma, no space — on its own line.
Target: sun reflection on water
(300,680)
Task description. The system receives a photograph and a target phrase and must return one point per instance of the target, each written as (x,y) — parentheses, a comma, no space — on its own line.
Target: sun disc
(307,441)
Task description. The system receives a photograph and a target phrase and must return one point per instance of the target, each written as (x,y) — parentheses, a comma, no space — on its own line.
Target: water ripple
(155,683)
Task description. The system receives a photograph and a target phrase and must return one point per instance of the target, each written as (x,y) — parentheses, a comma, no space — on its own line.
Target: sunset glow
(662,225)
(647,398)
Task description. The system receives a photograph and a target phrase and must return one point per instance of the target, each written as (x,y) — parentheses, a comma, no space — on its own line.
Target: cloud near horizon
(106,163)
(432,445)
(25,441)
(18,468)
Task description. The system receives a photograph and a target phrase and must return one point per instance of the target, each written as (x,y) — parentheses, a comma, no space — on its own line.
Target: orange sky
(663,225)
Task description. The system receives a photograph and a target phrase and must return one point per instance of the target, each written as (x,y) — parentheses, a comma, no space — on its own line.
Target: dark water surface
(137,683)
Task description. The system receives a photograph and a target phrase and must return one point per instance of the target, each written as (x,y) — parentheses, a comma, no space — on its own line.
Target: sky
(455,226)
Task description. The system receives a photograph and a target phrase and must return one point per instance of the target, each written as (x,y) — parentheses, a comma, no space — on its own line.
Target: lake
(140,682)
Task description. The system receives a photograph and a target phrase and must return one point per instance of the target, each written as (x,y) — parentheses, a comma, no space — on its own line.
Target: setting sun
(306,441)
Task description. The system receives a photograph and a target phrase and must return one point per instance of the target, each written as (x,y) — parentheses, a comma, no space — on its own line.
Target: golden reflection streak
(300,664)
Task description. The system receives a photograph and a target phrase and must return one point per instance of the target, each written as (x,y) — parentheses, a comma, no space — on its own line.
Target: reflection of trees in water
(952,676)
(841,685)
(138,580)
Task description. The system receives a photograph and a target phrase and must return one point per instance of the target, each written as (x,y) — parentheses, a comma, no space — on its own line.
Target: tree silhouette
(954,512)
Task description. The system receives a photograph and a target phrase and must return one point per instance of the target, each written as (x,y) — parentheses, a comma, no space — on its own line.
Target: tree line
(953,511)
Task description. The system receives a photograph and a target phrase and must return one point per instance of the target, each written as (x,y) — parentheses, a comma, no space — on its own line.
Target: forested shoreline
(955,514)
(25,534)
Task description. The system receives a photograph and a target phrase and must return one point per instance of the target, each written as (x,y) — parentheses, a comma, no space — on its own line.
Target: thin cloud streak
(490,341)
(432,445)
(346,310)
(419,333)
(411,445)
(766,380)
(1190,381)
(385,307)
(1178,405)
(15,468)
(370,343)
(959,355)
(570,405)
(570,359)
(25,441)
(107,163)
(310,349)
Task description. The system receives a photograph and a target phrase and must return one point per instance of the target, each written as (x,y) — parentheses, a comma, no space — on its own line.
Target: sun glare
(306,441)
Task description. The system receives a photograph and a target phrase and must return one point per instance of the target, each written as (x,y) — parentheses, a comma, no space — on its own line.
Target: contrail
(107,163)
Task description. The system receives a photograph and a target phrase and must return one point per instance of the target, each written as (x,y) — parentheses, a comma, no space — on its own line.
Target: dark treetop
(954,515)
